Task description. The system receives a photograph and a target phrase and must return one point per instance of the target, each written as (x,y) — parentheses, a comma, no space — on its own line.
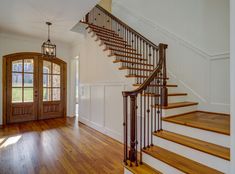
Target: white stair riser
(175,99)
(159,165)
(173,90)
(204,135)
(195,155)
(177,111)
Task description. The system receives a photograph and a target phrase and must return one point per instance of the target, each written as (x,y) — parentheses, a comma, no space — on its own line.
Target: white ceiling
(28,17)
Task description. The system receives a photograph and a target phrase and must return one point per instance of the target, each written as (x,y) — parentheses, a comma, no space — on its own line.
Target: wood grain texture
(154,85)
(58,146)
(179,104)
(213,149)
(142,169)
(122,51)
(219,123)
(102,32)
(132,62)
(130,68)
(169,95)
(127,56)
(97,27)
(116,45)
(179,162)
(142,76)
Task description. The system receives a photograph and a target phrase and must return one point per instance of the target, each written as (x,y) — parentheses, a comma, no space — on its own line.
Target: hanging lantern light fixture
(48,49)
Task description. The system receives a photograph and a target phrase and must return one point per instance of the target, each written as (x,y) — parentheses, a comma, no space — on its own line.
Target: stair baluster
(147,63)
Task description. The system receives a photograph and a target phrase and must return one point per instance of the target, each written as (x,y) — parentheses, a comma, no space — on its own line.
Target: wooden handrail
(147,82)
(125,25)
(140,55)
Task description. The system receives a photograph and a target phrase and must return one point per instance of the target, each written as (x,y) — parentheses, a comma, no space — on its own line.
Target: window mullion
(23,80)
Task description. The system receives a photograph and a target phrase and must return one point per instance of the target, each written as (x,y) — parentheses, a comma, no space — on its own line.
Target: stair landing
(219,123)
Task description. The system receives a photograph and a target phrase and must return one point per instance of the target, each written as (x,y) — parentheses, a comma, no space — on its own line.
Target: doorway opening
(77,86)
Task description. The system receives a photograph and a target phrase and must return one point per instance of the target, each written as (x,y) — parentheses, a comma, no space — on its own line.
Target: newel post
(164,90)
(133,120)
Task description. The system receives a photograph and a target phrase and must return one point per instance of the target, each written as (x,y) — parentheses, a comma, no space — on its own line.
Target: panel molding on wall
(101,107)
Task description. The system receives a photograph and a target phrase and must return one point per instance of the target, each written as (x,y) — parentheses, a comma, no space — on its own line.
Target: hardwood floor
(219,123)
(58,146)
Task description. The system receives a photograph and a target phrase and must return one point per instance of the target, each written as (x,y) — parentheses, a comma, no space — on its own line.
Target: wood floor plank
(58,146)
(219,123)
(179,162)
(200,145)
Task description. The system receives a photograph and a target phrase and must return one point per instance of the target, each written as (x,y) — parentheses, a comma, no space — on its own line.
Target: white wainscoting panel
(114,109)
(97,104)
(101,107)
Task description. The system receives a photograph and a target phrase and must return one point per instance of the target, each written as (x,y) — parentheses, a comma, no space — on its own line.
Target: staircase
(163,132)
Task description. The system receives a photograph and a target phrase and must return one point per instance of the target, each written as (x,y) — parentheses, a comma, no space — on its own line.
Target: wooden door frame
(4,82)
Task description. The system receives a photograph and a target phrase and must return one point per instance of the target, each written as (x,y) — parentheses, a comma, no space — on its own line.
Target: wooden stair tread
(123,51)
(169,95)
(109,43)
(142,76)
(110,40)
(219,123)
(108,36)
(141,169)
(157,85)
(127,61)
(120,48)
(103,37)
(103,32)
(179,104)
(98,27)
(179,162)
(128,56)
(213,149)
(130,68)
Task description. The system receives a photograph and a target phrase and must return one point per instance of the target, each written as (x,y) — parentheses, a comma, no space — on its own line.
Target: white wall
(197,34)
(101,86)
(232,83)
(205,24)
(12,43)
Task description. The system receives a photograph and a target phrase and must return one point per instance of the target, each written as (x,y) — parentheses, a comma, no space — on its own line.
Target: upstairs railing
(147,62)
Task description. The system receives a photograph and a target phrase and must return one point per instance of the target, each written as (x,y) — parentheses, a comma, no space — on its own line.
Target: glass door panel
(51,81)
(52,99)
(21,88)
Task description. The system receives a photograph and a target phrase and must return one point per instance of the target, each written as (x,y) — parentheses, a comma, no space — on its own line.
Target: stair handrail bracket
(146,62)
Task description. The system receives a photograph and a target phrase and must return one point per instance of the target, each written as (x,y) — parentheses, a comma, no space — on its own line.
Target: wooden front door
(52,98)
(33,87)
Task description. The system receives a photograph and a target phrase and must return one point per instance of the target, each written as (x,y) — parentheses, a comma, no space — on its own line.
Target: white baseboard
(111,133)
